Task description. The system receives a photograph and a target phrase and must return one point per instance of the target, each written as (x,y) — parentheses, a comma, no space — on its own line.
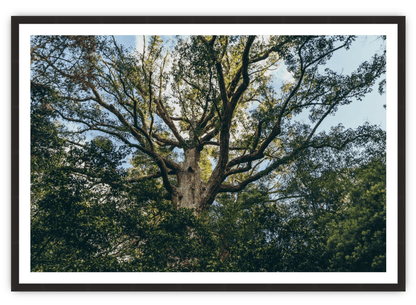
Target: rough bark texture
(189,181)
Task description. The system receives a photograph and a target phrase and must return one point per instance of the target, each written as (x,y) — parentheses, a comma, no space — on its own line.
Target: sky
(370,109)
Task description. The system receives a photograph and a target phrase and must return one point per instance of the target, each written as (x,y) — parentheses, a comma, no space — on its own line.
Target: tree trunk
(189,181)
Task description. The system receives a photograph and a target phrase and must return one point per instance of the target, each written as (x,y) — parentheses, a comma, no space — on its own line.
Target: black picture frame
(16,285)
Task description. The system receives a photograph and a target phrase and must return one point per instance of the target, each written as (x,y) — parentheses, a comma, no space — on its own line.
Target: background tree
(327,214)
(357,238)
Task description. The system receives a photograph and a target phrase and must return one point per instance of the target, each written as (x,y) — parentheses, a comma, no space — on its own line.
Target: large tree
(184,109)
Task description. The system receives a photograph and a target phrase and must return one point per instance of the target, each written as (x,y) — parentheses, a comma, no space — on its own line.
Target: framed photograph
(208,153)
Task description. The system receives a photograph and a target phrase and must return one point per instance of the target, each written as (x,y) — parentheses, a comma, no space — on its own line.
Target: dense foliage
(214,183)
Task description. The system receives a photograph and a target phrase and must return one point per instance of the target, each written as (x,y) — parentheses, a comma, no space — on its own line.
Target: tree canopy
(228,170)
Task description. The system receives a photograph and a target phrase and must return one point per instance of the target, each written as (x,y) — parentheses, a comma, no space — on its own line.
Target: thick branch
(218,66)
(150,176)
(246,80)
(166,141)
(239,170)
